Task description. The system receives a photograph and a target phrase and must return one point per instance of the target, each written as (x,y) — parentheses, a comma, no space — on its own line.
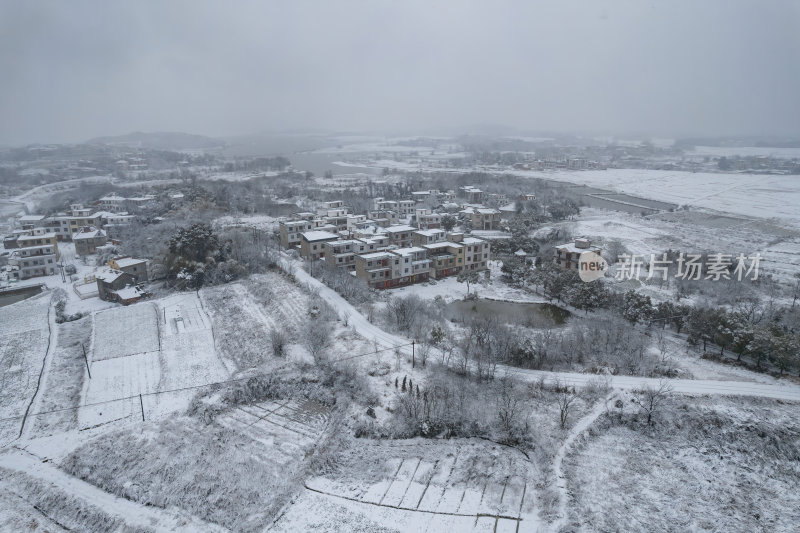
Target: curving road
(782,391)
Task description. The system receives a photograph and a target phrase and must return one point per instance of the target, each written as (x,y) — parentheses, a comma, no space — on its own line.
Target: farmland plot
(65,380)
(288,427)
(124,331)
(23,344)
(429,486)
(244,313)
(237,472)
(179,354)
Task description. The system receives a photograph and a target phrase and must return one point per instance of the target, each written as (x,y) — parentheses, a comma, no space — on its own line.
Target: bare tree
(405,310)
(277,339)
(469,277)
(318,337)
(566,398)
(424,350)
(663,345)
(652,397)
(509,404)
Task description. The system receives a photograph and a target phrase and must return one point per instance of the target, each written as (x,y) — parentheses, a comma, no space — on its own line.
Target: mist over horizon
(86,69)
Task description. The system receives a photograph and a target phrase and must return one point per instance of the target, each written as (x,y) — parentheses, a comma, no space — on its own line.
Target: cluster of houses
(397,242)
(33,245)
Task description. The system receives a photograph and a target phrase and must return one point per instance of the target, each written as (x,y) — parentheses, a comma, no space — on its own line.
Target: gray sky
(73,70)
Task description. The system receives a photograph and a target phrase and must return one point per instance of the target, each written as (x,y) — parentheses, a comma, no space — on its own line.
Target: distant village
(395,243)
(33,248)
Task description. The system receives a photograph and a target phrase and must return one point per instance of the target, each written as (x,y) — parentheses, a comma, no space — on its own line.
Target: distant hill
(160,141)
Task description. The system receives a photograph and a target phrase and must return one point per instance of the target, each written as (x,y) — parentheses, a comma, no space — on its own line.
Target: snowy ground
(24,338)
(750,195)
(450,289)
(707,465)
(694,232)
(244,313)
(440,485)
(150,348)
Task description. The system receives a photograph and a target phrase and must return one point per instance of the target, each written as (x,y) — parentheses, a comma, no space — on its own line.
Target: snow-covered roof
(109,275)
(430,232)
(409,250)
(123,262)
(399,228)
(376,255)
(438,245)
(31,218)
(571,248)
(343,242)
(128,293)
(88,234)
(472,240)
(312,236)
(33,237)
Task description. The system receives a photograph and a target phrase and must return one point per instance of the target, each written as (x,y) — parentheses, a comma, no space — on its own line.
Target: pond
(12,296)
(536,315)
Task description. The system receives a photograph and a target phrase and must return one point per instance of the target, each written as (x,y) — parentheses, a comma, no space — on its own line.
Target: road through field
(133,514)
(781,391)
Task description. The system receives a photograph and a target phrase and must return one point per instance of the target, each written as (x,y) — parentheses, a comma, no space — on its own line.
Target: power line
(183,389)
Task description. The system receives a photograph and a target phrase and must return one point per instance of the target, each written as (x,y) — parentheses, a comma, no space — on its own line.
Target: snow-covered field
(124,331)
(152,349)
(760,196)
(24,337)
(694,232)
(706,465)
(746,151)
(61,390)
(751,195)
(440,485)
(245,312)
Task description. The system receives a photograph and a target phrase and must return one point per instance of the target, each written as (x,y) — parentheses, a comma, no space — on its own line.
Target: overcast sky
(73,70)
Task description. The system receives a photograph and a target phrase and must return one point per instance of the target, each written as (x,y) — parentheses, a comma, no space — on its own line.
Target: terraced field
(441,487)
(24,336)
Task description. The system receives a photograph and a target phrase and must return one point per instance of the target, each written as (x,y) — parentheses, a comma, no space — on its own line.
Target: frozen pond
(12,296)
(528,314)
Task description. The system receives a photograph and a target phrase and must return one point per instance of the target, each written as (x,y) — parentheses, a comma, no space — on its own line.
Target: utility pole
(141,404)
(413,356)
(86,359)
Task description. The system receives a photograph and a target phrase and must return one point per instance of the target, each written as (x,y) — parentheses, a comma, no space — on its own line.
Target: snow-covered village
(336,312)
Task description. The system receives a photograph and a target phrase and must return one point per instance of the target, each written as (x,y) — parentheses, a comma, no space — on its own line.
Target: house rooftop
(88,234)
(312,236)
(109,275)
(398,228)
(376,255)
(123,262)
(129,293)
(34,237)
(430,232)
(409,250)
(572,248)
(443,244)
